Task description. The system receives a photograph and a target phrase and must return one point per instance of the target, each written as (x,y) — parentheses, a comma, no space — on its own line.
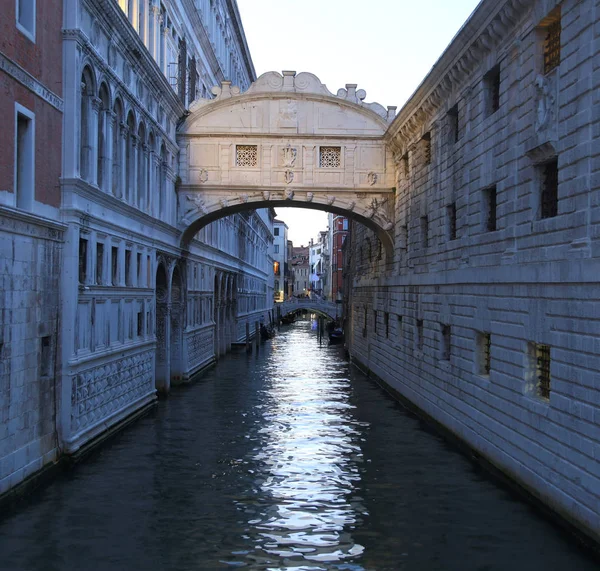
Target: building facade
(301,271)
(338,230)
(31,235)
(280,260)
(319,265)
(485,316)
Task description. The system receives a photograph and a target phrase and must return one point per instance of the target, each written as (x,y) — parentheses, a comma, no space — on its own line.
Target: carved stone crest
(203,175)
(288,176)
(372,178)
(544,101)
(289,156)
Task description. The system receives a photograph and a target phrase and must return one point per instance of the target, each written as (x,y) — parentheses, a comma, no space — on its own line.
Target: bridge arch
(288,142)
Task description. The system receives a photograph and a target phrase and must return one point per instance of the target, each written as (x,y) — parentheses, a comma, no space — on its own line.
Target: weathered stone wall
(525,277)
(30,257)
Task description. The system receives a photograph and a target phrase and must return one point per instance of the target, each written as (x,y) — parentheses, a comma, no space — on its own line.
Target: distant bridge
(328,308)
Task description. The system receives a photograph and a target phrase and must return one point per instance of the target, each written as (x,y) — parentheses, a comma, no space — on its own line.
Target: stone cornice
(19,221)
(481,33)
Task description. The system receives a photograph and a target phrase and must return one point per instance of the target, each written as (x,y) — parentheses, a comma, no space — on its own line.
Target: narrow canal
(286,460)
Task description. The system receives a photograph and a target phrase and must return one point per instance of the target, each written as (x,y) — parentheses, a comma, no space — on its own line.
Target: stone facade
(30,238)
(486,316)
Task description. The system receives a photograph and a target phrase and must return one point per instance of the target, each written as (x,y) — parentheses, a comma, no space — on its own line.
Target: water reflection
(308,453)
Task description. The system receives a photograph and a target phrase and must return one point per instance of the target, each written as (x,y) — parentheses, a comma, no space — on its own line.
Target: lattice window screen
(246,155)
(330,157)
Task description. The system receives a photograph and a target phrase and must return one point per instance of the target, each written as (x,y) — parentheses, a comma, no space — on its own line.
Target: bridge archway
(288,142)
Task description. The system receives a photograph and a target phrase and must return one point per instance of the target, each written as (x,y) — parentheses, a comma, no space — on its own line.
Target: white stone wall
(532,280)
(30,258)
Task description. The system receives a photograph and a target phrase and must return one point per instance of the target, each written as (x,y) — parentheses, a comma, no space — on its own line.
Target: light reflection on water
(309,456)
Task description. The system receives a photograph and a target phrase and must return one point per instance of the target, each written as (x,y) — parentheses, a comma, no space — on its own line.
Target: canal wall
(486,317)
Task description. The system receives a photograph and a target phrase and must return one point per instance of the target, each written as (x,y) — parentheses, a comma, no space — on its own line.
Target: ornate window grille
(246,155)
(552,47)
(542,353)
(549,206)
(330,157)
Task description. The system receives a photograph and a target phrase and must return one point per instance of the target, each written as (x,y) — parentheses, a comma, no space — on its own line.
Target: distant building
(319,264)
(280,259)
(301,270)
(338,230)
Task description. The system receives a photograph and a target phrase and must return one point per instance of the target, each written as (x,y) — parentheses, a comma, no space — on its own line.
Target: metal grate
(552,47)
(543,370)
(246,155)
(486,348)
(550,189)
(330,157)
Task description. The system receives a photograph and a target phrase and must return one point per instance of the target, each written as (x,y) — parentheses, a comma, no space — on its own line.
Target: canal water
(288,459)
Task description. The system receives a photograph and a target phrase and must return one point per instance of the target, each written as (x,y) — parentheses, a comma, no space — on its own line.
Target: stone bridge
(287,141)
(328,308)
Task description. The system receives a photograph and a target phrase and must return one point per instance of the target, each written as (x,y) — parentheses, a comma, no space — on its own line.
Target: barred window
(330,157)
(419,334)
(424,232)
(426,142)
(454,125)
(246,155)
(446,342)
(549,189)
(386,323)
(485,353)
(492,91)
(489,209)
(542,355)
(552,47)
(451,216)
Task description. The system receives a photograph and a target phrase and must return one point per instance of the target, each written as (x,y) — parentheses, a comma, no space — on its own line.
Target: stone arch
(86,140)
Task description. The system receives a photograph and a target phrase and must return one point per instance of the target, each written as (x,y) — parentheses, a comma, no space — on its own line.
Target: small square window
(330,157)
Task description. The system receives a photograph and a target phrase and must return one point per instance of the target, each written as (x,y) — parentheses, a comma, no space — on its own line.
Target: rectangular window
(419,334)
(484,350)
(491,83)
(405,165)
(426,144)
(26,18)
(83,252)
(114,265)
(386,323)
(404,235)
(148,272)
(451,220)
(364,331)
(453,125)
(139,269)
(24,168)
(276,268)
(127,267)
(46,356)
(488,209)
(99,262)
(277,248)
(345,224)
(549,189)
(374,321)
(541,364)
(275,231)
(552,46)
(246,155)
(446,347)
(399,326)
(425,232)
(330,157)
(140,323)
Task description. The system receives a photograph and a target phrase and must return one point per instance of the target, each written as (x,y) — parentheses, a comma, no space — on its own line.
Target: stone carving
(266,194)
(330,199)
(224,203)
(351,205)
(225,91)
(372,178)
(288,177)
(288,114)
(289,156)
(289,193)
(193,203)
(244,198)
(100,391)
(309,196)
(199,347)
(544,101)
(203,175)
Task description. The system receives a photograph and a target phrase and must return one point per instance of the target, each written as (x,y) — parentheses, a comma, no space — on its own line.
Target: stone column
(144,178)
(133,188)
(122,183)
(154,40)
(145,32)
(93,139)
(107,168)
(163,51)
(170,200)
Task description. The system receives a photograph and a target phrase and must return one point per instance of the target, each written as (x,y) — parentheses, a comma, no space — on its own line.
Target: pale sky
(385,46)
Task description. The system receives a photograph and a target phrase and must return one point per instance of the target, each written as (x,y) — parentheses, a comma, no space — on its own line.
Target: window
(451,220)
(484,350)
(46,356)
(277,248)
(246,155)
(139,269)
(276,268)
(24,158)
(364,331)
(128,267)
(275,231)
(426,144)
(419,334)
(488,209)
(491,84)
(424,231)
(330,157)
(446,347)
(99,262)
(404,234)
(114,265)
(540,365)
(140,323)
(375,321)
(399,325)
(83,244)
(386,324)
(453,125)
(552,46)
(276,286)
(549,189)
(405,165)
(26,18)
(345,224)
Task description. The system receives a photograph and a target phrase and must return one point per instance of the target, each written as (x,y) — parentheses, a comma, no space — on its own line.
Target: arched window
(129,158)
(85,142)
